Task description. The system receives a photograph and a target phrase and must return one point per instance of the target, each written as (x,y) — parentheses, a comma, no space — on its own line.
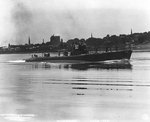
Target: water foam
(17,61)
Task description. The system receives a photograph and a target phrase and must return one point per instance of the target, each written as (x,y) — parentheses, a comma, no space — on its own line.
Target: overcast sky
(70,18)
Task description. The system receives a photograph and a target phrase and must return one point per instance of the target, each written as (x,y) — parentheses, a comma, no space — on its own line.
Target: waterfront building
(55,40)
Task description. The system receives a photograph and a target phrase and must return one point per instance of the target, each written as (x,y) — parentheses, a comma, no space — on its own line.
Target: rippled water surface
(39,92)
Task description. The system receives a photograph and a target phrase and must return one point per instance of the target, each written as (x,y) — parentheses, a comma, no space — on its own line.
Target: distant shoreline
(141,50)
(28,52)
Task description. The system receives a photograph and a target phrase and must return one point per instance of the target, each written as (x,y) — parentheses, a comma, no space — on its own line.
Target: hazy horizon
(20,19)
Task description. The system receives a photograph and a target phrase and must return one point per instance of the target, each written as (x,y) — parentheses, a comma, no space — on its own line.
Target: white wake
(17,61)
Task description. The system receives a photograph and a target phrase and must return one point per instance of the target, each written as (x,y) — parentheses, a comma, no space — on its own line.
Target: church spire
(29,40)
(131,31)
(91,35)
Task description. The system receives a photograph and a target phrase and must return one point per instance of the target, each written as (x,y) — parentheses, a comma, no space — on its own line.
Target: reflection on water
(86,66)
(113,90)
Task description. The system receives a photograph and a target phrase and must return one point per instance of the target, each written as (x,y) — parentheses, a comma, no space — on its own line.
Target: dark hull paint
(87,57)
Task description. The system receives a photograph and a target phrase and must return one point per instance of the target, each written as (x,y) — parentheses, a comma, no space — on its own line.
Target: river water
(105,91)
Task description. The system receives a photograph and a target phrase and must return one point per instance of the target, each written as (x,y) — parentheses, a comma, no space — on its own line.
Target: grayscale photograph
(74,60)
